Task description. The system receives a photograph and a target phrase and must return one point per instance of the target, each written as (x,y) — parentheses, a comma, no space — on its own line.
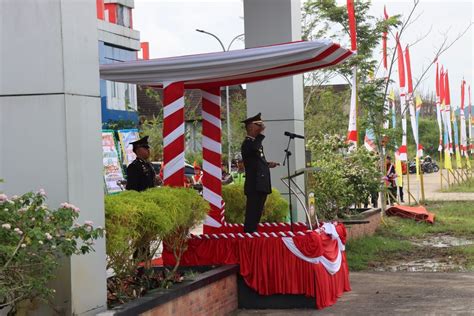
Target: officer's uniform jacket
(140,175)
(257,172)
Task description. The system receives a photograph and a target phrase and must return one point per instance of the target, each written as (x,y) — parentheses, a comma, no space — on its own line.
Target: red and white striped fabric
(211,153)
(173,134)
(229,68)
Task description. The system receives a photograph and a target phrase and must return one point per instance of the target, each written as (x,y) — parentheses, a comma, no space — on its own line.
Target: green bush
(344,178)
(137,223)
(33,240)
(275,210)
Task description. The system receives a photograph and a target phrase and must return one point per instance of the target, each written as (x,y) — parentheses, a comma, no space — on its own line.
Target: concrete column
(50,126)
(269,22)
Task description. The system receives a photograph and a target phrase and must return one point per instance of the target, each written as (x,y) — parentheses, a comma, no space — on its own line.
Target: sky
(170,27)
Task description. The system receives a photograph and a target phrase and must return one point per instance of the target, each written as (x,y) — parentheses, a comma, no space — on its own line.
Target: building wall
(118,42)
(50,127)
(217,298)
(110,54)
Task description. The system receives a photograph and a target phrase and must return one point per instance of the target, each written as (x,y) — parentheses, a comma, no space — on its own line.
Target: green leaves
(344,178)
(275,209)
(32,240)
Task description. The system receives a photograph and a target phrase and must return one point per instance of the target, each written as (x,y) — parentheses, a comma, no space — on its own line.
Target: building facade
(118,42)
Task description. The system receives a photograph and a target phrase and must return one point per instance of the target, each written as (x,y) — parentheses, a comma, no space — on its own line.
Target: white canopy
(229,68)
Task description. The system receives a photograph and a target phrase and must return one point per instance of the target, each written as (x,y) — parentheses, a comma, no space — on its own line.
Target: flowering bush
(344,178)
(32,239)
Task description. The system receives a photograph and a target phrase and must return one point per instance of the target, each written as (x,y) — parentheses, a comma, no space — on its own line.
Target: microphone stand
(287,162)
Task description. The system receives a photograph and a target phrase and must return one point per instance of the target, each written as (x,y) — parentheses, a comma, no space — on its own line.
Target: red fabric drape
(269,267)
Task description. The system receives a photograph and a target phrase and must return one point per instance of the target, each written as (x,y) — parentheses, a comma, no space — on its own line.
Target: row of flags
(452,138)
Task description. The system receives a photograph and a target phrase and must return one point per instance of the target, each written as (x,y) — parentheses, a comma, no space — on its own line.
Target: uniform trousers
(254,210)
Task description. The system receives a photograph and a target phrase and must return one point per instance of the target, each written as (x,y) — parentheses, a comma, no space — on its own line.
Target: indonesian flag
(352,137)
(352,24)
(401,79)
(411,101)
(438,111)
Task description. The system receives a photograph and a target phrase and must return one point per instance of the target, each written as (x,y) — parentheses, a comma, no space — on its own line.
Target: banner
(126,136)
(352,137)
(111,161)
(401,78)
(438,111)
(446,122)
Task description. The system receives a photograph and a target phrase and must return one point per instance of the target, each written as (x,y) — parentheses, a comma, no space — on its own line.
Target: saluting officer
(257,173)
(140,173)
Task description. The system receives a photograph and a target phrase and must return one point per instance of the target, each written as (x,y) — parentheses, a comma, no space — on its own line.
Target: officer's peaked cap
(254,119)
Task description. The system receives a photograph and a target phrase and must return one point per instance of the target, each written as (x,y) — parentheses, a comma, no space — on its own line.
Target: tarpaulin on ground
(418,213)
(311,263)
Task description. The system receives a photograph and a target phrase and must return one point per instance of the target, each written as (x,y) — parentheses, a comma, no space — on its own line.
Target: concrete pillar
(50,126)
(269,22)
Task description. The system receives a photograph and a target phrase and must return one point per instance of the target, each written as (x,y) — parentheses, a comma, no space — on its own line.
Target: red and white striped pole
(212,157)
(173,134)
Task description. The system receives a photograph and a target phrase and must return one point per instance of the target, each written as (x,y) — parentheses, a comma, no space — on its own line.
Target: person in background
(390,178)
(257,172)
(238,176)
(140,173)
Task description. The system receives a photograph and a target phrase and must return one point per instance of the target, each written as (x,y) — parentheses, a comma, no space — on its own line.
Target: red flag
(384,42)
(401,64)
(441,86)
(446,87)
(352,24)
(407,62)
(437,80)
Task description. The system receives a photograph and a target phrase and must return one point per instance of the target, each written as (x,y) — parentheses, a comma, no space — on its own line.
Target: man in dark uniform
(140,173)
(257,173)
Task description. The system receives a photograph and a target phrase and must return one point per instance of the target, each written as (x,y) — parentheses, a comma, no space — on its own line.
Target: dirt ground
(386,293)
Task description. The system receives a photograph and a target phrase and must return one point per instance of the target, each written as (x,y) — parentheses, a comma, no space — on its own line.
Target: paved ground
(432,186)
(396,294)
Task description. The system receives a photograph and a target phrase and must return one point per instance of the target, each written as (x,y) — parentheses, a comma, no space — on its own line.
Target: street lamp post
(229,138)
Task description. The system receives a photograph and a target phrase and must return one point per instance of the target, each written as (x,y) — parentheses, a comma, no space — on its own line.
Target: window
(121,96)
(123,15)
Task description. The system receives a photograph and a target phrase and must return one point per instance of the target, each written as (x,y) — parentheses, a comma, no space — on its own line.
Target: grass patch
(361,252)
(392,239)
(467,186)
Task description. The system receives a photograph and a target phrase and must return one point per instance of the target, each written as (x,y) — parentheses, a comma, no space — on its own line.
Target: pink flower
(88,223)
(18,231)
(6,226)
(42,192)
(48,236)
(14,197)
(3,197)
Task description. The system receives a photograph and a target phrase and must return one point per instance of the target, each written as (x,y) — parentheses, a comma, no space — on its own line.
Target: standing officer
(140,173)
(257,173)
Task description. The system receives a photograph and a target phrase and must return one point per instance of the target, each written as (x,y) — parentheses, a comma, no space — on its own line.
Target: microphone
(293,135)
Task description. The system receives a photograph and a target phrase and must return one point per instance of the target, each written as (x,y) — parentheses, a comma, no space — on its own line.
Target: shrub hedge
(275,210)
